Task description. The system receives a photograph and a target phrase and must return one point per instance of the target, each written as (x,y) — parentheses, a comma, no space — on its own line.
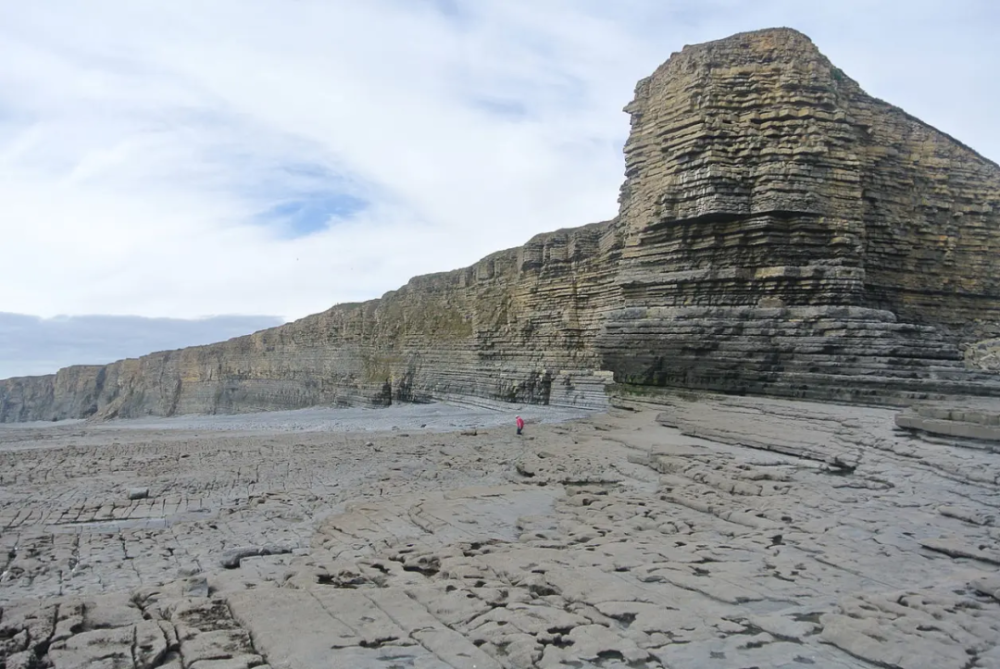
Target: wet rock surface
(709,531)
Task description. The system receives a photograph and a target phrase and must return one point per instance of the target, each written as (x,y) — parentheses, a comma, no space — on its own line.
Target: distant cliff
(518,326)
(780,232)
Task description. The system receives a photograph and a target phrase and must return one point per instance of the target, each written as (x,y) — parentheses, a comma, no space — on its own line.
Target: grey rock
(231,558)
(196,586)
(24,660)
(710,531)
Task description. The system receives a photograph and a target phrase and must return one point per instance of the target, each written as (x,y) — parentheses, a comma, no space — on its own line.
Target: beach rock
(197,586)
(24,660)
(988,585)
(709,531)
(231,558)
(961,418)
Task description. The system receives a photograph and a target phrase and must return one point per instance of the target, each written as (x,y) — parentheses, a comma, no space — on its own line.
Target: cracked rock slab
(700,539)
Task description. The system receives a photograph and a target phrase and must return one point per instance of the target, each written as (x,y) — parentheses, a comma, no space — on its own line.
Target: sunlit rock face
(780,232)
(785,233)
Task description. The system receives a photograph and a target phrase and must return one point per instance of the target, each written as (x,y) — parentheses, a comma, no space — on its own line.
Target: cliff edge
(780,232)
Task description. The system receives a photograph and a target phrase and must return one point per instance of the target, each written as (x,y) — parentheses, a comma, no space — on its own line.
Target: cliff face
(786,233)
(519,326)
(780,232)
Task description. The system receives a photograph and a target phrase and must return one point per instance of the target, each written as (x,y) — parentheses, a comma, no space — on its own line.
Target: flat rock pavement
(722,532)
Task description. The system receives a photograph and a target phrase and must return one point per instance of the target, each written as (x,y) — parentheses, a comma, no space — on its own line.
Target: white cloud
(142,145)
(31,345)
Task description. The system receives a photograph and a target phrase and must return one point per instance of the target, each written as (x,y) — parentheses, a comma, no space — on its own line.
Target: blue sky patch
(298,199)
(309,214)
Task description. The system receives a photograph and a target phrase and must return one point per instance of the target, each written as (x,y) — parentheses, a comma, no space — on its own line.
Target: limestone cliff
(780,232)
(786,233)
(519,325)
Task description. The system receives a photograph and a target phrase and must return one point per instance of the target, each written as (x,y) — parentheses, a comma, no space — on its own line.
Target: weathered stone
(984,355)
(195,586)
(988,585)
(728,540)
(103,647)
(956,549)
(963,418)
(231,558)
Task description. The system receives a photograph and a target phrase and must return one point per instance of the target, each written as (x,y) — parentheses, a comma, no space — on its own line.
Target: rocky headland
(780,233)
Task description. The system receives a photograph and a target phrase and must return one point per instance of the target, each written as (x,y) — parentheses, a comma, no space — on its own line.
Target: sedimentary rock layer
(786,233)
(517,326)
(780,232)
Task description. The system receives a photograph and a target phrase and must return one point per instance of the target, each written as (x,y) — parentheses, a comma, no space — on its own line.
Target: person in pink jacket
(520,424)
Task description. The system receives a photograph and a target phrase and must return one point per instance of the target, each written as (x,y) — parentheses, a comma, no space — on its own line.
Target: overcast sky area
(31,345)
(187,159)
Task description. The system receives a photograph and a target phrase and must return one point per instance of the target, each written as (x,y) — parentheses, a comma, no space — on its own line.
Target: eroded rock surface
(707,531)
(517,327)
(984,355)
(976,422)
(785,233)
(780,232)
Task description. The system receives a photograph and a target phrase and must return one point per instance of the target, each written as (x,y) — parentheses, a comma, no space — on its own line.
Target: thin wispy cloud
(273,157)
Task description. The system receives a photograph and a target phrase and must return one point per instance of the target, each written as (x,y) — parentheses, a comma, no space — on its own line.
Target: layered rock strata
(983,355)
(780,232)
(517,326)
(786,233)
(977,420)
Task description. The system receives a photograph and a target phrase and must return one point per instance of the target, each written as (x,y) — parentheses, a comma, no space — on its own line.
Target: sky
(271,158)
(34,345)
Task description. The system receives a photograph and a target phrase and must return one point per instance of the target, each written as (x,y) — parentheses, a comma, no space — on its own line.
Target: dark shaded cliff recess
(780,232)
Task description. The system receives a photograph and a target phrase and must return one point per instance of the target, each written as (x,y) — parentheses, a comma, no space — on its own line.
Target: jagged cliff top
(780,46)
(747,48)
